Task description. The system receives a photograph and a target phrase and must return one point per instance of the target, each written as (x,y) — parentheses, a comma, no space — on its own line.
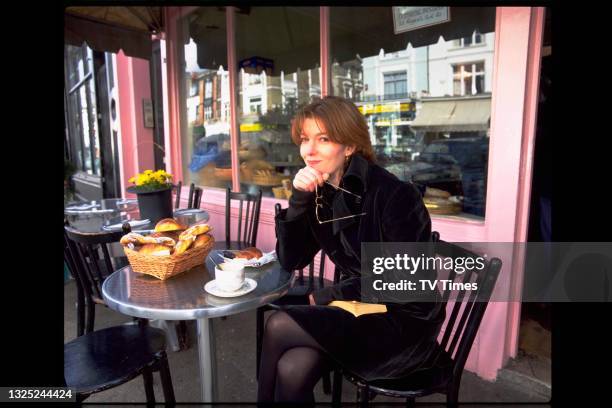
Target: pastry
(183,244)
(130,238)
(168,224)
(155,249)
(168,234)
(248,253)
(202,240)
(137,239)
(195,230)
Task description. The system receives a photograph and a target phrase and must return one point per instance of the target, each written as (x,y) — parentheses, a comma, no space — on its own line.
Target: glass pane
(86,129)
(93,112)
(278,54)
(420,130)
(73,65)
(76,129)
(204,98)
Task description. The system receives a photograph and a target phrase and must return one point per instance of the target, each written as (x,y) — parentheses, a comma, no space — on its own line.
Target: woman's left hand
(311,299)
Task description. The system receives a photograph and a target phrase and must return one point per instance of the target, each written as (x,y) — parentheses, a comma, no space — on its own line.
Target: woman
(359,202)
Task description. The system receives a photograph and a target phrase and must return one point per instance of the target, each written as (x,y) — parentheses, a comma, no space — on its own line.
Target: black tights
(292,362)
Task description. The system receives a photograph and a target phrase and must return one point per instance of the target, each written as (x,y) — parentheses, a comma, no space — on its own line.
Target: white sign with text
(411,18)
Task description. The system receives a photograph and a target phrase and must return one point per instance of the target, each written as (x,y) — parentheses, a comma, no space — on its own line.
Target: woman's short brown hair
(342,121)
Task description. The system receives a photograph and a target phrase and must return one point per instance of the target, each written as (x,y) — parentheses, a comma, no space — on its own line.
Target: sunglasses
(319,204)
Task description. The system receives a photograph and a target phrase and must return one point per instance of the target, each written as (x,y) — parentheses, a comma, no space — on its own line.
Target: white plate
(248,286)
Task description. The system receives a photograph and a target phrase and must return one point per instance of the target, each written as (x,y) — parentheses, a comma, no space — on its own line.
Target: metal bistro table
(97,216)
(182,297)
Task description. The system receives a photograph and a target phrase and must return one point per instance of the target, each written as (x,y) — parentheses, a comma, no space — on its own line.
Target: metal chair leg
(166,379)
(364,393)
(452,395)
(326,384)
(259,337)
(337,388)
(90,315)
(147,377)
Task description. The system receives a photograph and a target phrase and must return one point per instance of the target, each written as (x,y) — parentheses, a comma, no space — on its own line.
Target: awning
(365,30)
(462,114)
(110,29)
(289,36)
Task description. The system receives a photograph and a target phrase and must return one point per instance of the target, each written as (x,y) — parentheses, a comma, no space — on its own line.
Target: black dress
(374,346)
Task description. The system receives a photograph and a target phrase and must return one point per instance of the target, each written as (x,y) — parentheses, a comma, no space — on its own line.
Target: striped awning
(462,114)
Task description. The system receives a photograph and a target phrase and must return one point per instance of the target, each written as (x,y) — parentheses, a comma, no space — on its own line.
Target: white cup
(229,276)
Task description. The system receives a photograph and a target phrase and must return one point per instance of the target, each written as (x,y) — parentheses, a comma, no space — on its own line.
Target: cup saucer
(248,286)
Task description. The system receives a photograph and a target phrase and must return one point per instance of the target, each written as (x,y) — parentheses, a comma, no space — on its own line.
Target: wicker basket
(164,267)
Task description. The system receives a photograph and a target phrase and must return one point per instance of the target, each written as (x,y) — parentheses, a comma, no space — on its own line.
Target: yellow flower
(150,179)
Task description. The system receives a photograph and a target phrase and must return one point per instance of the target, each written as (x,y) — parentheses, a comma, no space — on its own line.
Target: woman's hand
(308,178)
(311,299)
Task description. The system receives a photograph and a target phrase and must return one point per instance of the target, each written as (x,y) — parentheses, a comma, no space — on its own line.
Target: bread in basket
(164,254)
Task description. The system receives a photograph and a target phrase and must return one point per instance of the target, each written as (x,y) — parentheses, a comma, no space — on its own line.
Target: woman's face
(319,151)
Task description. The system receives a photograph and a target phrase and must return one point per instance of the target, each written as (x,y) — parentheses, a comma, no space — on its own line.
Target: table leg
(206,351)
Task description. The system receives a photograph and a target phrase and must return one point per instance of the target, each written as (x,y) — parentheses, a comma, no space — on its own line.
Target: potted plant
(153,190)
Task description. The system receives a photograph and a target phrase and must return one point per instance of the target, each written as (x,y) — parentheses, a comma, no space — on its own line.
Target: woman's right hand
(308,178)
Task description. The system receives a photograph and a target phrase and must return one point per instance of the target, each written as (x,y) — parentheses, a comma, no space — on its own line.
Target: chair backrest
(248,221)
(464,320)
(197,198)
(311,267)
(89,258)
(194,199)
(191,193)
(177,190)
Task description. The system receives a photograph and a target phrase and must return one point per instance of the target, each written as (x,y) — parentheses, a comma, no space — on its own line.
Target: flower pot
(154,205)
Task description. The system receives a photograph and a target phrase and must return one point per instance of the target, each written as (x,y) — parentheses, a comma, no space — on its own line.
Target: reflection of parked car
(454,165)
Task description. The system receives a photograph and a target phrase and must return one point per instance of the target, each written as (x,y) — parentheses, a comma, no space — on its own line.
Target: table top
(93,216)
(182,297)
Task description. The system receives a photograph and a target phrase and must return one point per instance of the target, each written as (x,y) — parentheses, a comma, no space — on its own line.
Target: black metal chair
(248,219)
(194,199)
(177,197)
(99,360)
(298,294)
(447,363)
(89,261)
(197,198)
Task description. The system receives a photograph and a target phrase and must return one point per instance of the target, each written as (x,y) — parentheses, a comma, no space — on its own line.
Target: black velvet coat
(383,345)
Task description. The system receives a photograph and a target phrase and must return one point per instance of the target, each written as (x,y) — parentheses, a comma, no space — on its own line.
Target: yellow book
(358,308)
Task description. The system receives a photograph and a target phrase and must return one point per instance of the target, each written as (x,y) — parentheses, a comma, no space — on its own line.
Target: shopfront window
(426,96)
(278,56)
(204,98)
(83,114)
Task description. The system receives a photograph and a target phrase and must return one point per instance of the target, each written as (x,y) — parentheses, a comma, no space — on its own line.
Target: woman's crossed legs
(292,362)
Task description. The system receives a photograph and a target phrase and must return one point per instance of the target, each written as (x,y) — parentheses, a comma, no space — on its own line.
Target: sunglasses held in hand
(319,204)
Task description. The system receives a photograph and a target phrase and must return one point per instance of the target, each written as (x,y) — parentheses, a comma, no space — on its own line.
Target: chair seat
(418,383)
(105,358)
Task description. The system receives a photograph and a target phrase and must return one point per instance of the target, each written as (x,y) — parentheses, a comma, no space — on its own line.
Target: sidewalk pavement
(235,345)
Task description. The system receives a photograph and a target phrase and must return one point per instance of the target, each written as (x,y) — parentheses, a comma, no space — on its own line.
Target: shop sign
(251,127)
(370,108)
(147,113)
(412,18)
(392,122)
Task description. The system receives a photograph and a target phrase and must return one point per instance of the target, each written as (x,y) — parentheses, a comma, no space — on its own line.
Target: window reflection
(205,98)
(426,96)
(278,56)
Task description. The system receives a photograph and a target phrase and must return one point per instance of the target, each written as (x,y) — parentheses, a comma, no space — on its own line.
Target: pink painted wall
(518,39)
(134,85)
